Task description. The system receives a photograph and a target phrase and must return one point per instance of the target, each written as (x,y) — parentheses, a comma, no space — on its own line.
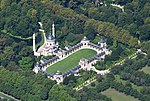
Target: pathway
(88,82)
(18,37)
(119,6)
(11,97)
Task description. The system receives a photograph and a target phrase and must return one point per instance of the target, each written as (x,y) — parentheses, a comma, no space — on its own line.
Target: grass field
(146,70)
(117,96)
(71,61)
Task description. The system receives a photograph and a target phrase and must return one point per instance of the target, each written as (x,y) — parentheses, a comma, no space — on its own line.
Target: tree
(27,86)
(122,19)
(133,42)
(102,86)
(73,4)
(99,77)
(25,51)
(100,65)
(70,80)
(144,32)
(2,23)
(12,66)
(94,13)
(90,33)
(32,12)
(5,3)
(57,93)
(70,37)
(147,20)
(146,47)
(26,62)
(133,28)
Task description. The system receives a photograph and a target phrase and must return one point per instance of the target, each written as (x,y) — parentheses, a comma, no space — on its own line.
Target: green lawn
(117,96)
(146,70)
(71,61)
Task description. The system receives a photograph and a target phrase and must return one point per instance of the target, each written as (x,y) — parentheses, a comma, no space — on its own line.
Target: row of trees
(131,65)
(139,78)
(92,94)
(119,51)
(128,90)
(61,93)
(73,81)
(135,17)
(130,73)
(109,29)
(104,28)
(68,22)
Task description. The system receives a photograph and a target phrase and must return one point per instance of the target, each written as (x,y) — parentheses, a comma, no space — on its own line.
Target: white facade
(49,47)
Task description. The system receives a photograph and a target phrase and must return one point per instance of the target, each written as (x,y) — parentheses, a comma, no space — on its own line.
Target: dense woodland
(74,19)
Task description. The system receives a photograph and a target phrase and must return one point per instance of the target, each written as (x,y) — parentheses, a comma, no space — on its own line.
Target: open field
(146,70)
(117,96)
(71,61)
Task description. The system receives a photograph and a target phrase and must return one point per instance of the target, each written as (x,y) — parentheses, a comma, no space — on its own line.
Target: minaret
(53,30)
(44,37)
(34,43)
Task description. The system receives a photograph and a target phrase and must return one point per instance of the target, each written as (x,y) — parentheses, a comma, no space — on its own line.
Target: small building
(68,47)
(85,41)
(102,43)
(36,68)
(58,77)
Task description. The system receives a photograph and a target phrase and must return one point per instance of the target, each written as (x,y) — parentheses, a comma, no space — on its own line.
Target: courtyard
(71,61)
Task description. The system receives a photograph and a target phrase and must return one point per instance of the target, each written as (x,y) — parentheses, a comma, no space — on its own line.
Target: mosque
(49,47)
